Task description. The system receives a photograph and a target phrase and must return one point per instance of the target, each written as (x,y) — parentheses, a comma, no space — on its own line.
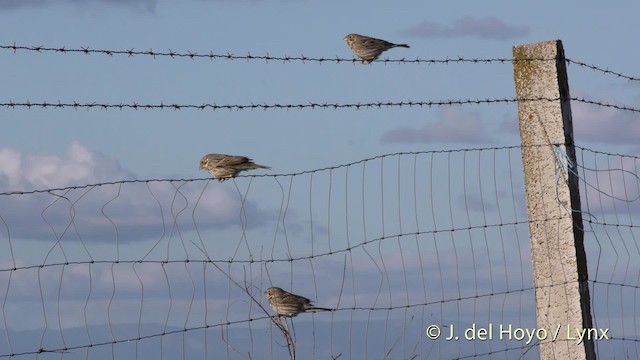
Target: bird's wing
(377,43)
(295,298)
(229,160)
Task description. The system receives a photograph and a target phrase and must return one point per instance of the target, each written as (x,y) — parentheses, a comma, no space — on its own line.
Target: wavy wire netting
(394,245)
(610,191)
(184,278)
(136,269)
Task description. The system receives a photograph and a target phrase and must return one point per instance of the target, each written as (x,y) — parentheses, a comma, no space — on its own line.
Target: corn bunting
(368,48)
(224,167)
(288,304)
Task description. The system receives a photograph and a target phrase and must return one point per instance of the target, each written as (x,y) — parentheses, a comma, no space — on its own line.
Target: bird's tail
(316,308)
(251,166)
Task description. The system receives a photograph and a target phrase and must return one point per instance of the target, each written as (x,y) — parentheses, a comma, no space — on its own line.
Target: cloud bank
(604,125)
(149,5)
(452,125)
(483,28)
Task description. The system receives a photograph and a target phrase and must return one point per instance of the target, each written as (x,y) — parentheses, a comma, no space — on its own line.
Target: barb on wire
(604,104)
(228,56)
(607,153)
(252,106)
(288,59)
(335,106)
(602,70)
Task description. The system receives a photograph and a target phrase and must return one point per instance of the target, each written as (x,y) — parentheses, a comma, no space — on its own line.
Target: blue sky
(49,148)
(294,28)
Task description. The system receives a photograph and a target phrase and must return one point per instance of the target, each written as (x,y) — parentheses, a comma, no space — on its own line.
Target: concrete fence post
(553,200)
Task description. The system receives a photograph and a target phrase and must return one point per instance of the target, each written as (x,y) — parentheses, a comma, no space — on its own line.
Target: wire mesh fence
(417,254)
(393,245)
(146,266)
(610,190)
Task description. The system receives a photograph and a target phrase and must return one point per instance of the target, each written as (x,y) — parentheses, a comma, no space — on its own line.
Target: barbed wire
(607,153)
(249,57)
(193,55)
(335,106)
(253,106)
(606,104)
(602,70)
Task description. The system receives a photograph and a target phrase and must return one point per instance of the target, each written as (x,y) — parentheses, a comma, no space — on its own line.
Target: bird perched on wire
(368,48)
(288,304)
(225,167)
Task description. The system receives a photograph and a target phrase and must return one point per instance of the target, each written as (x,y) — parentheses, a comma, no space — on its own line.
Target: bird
(368,48)
(225,167)
(287,304)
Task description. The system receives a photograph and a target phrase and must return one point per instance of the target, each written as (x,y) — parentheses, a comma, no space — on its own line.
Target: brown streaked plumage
(368,48)
(225,167)
(287,304)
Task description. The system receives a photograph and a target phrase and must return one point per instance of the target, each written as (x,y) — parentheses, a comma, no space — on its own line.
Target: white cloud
(109,212)
(10,163)
(20,171)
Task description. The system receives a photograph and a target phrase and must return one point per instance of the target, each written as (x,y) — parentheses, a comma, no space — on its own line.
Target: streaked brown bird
(288,304)
(225,167)
(368,48)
